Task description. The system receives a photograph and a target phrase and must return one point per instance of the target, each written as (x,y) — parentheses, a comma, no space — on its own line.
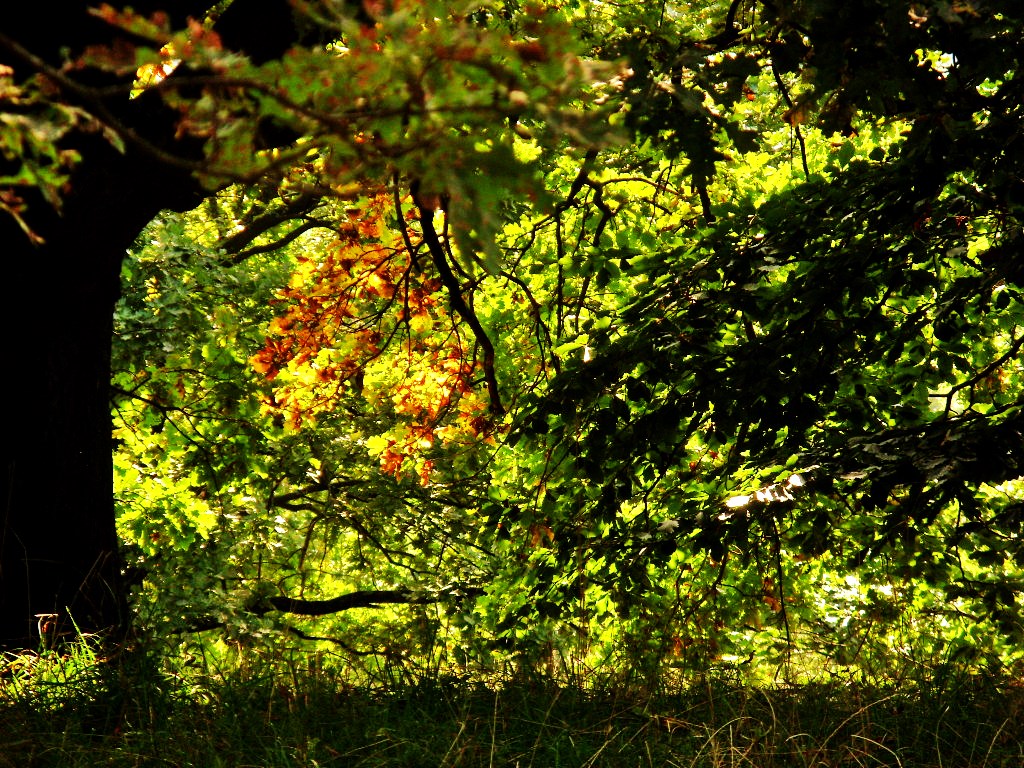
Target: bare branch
(459,303)
(372,598)
(235,244)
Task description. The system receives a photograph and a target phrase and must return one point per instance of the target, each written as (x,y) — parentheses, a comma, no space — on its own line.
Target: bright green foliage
(742,277)
(860,328)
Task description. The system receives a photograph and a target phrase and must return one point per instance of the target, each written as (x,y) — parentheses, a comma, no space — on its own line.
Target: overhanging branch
(426,215)
(373,598)
(366,598)
(298,208)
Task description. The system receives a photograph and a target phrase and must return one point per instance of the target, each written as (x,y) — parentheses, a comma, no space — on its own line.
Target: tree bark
(58,544)
(58,541)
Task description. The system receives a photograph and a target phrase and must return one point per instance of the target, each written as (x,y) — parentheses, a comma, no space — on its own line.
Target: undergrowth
(79,709)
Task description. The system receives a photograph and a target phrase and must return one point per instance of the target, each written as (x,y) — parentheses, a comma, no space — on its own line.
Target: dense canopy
(663,334)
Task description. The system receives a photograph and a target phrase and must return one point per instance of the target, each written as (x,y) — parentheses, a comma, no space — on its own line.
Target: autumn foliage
(365,318)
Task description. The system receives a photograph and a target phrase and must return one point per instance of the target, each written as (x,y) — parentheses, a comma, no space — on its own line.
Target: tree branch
(458,302)
(235,244)
(336,640)
(306,225)
(369,598)
(372,598)
(98,109)
(794,119)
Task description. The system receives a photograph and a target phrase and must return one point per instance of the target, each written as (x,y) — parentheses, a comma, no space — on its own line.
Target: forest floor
(111,718)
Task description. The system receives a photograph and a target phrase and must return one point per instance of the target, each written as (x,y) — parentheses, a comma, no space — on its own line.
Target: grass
(79,710)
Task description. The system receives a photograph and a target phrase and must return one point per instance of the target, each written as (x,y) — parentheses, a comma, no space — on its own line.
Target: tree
(587,313)
(59,549)
(86,168)
(134,138)
(827,371)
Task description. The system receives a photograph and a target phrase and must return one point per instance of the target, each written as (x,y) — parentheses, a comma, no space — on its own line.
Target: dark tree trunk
(58,546)
(58,542)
